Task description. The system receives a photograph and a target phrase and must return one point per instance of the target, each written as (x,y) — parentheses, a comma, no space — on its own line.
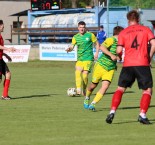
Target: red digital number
(48,6)
(43,6)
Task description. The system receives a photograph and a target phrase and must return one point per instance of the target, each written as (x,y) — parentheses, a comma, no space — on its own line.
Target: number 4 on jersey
(135,43)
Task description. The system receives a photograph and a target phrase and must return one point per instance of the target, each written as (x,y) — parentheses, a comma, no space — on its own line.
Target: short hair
(101,26)
(82,23)
(1,22)
(117,30)
(133,15)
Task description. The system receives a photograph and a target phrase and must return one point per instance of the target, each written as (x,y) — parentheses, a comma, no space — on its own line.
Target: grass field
(41,113)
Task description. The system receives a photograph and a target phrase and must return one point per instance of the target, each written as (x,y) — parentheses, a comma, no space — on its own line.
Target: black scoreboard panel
(40,5)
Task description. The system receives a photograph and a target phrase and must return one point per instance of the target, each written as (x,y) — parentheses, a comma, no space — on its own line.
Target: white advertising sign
(20,55)
(57,52)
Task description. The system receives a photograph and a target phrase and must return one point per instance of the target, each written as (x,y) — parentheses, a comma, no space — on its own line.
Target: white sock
(93,102)
(112,111)
(78,90)
(87,98)
(143,115)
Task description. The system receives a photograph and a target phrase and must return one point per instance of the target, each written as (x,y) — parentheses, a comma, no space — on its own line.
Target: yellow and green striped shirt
(104,60)
(84,46)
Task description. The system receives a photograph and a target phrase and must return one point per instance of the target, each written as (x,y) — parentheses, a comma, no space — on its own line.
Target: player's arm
(120,46)
(152,50)
(71,47)
(119,52)
(96,44)
(10,49)
(7,56)
(104,47)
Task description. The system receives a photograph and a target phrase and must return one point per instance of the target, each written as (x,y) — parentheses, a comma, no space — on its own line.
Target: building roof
(22,13)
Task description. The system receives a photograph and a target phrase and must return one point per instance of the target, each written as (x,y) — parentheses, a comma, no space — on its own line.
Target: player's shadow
(34,96)
(152,121)
(135,121)
(108,93)
(135,107)
(123,108)
(126,92)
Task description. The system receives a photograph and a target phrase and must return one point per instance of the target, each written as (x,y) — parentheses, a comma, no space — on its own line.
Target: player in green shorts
(84,41)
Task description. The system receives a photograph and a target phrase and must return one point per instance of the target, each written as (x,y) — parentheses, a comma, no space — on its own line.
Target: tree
(66,3)
(132,3)
(92,3)
(74,3)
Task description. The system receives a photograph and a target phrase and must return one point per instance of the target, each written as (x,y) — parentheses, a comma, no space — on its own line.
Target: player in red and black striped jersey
(134,39)
(3,67)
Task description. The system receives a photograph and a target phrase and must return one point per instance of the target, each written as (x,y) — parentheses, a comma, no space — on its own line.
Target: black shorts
(129,74)
(3,68)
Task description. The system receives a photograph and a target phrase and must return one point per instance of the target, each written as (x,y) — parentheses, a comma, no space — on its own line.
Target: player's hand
(68,49)
(96,56)
(11,49)
(113,57)
(119,59)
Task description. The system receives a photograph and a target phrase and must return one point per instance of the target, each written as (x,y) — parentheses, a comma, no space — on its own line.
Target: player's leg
(7,74)
(87,66)
(1,71)
(92,86)
(101,92)
(126,79)
(145,83)
(116,100)
(106,81)
(84,81)
(78,79)
(89,91)
(144,105)
(99,95)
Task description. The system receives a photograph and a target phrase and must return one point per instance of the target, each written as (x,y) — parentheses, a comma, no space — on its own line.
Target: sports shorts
(85,65)
(142,74)
(3,68)
(99,73)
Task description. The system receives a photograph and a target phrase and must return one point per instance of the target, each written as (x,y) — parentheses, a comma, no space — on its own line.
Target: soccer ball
(71,92)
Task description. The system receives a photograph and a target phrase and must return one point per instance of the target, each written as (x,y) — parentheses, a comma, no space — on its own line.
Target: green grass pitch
(41,113)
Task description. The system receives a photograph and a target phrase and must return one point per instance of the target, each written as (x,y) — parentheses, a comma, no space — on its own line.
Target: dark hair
(82,23)
(133,16)
(101,26)
(1,22)
(117,30)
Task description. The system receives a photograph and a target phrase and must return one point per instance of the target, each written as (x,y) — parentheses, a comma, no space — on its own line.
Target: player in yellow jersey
(84,41)
(104,69)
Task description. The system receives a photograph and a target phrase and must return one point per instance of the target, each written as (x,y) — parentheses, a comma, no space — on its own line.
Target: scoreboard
(40,5)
